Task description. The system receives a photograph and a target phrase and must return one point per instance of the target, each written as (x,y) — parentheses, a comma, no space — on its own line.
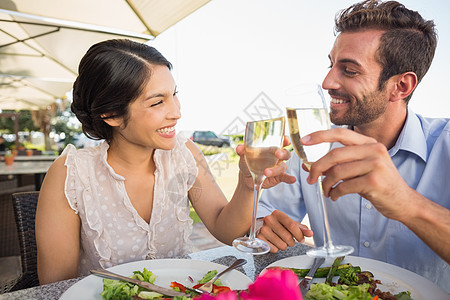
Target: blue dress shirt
(422,156)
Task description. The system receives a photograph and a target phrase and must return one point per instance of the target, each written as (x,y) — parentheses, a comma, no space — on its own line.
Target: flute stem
(257,190)
(327,241)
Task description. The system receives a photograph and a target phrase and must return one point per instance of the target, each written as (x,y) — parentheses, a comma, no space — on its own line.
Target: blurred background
(229,51)
(229,55)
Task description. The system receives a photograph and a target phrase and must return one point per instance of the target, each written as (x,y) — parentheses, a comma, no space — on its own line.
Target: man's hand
(279,230)
(364,167)
(275,175)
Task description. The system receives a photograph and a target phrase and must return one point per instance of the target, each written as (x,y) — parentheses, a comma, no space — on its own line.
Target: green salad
(353,284)
(120,290)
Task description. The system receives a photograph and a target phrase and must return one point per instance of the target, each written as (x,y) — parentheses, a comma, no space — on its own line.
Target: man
(388,169)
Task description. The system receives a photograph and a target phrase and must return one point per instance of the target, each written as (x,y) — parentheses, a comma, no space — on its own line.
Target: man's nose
(330,82)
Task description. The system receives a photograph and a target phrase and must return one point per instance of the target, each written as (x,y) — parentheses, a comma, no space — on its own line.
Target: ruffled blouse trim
(81,162)
(82,166)
(191,166)
(104,159)
(70,184)
(129,206)
(186,167)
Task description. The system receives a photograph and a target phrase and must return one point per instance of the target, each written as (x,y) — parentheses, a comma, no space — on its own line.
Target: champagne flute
(262,139)
(313,116)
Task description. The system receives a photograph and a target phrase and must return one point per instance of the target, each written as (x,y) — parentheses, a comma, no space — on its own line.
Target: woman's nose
(175,109)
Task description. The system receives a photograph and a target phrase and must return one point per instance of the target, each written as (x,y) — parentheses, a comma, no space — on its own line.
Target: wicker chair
(25,211)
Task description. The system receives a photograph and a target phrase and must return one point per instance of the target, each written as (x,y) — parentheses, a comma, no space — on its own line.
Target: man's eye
(350,73)
(157,103)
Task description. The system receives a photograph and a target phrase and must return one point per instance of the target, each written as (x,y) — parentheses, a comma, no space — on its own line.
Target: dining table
(38,168)
(224,255)
(36,158)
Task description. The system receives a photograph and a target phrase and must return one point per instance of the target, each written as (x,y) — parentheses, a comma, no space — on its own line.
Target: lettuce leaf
(119,290)
(322,291)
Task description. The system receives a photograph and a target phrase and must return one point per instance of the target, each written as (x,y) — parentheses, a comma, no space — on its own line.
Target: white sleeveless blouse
(112,232)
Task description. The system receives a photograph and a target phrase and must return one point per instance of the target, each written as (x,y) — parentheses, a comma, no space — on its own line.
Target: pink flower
(274,284)
(230,295)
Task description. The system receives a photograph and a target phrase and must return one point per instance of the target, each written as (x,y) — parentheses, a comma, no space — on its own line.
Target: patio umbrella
(29,93)
(149,17)
(47,38)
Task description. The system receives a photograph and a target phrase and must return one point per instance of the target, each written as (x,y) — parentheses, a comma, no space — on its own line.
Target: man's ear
(110,120)
(404,85)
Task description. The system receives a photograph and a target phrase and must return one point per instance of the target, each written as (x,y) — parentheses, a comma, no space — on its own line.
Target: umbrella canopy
(29,93)
(142,16)
(46,39)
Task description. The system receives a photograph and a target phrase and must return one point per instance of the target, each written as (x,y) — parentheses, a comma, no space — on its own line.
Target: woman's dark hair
(112,74)
(408,43)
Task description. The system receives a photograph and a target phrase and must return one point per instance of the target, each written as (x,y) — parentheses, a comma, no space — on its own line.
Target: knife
(150,286)
(333,269)
(194,290)
(306,282)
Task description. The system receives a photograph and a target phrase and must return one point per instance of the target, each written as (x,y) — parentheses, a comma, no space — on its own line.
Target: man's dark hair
(408,43)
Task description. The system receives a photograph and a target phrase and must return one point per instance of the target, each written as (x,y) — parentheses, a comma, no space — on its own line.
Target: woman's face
(154,114)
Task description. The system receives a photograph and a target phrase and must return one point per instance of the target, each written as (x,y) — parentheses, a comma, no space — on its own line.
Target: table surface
(224,255)
(25,167)
(36,158)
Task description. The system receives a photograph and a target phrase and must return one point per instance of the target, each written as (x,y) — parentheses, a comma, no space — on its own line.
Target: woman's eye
(157,103)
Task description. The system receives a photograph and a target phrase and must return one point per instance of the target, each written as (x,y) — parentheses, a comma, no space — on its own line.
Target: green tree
(64,123)
(25,122)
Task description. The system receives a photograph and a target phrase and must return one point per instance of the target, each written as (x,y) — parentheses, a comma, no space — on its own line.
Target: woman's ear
(404,85)
(110,120)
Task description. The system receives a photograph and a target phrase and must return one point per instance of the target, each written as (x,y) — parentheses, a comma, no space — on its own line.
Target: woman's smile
(167,132)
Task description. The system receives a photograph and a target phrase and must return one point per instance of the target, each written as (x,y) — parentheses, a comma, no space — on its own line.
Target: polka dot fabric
(112,232)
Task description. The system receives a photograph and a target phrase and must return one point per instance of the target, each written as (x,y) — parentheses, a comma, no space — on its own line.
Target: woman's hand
(274,175)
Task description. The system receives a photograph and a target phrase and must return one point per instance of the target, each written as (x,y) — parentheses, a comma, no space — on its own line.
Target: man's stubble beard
(362,112)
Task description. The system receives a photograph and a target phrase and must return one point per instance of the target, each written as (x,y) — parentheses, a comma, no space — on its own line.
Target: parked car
(209,138)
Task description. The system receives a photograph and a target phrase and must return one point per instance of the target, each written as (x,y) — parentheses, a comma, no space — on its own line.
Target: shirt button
(368,205)
(366,244)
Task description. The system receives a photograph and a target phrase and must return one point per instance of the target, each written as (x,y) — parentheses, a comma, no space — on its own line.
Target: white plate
(166,270)
(393,279)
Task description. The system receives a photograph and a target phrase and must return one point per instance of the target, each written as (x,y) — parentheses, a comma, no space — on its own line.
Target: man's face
(352,81)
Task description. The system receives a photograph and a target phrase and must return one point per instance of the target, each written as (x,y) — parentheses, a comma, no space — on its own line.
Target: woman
(128,198)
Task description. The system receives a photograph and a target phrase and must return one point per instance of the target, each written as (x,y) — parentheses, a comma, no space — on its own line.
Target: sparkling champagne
(258,159)
(261,140)
(303,122)
(312,116)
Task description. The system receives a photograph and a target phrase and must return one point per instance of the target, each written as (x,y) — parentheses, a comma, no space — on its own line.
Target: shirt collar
(411,138)
(104,155)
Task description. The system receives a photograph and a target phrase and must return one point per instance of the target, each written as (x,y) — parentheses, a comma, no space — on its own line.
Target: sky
(231,56)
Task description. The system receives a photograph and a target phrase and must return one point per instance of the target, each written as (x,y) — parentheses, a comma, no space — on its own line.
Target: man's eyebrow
(347,60)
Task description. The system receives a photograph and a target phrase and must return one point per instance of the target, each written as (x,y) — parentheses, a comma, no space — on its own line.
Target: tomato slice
(220,289)
(216,288)
(178,285)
